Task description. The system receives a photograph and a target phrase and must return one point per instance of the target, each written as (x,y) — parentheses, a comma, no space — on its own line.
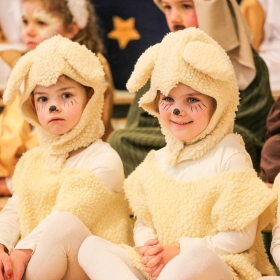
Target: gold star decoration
(124,31)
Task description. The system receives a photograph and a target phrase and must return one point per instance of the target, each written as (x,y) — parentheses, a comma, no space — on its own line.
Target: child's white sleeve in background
(275,244)
(227,242)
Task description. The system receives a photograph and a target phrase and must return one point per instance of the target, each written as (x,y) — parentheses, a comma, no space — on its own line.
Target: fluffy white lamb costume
(40,180)
(205,206)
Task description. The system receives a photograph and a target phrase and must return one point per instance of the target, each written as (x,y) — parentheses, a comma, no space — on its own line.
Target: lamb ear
(197,54)
(18,75)
(88,66)
(143,69)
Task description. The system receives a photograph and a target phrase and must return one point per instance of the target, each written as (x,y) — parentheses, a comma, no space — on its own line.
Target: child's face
(39,25)
(185,112)
(69,99)
(179,14)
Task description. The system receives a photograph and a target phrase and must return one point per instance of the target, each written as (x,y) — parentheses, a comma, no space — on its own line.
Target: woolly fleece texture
(76,191)
(218,203)
(198,61)
(43,66)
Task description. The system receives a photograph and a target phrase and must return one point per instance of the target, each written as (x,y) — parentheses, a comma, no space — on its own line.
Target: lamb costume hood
(205,206)
(40,179)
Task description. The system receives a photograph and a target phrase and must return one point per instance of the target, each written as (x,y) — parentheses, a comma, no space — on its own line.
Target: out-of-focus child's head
(72,19)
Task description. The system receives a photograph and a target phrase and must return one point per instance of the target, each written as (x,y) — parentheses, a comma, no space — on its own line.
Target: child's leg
(102,260)
(56,255)
(195,263)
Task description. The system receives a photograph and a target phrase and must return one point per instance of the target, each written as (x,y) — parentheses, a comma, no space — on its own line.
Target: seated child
(70,186)
(199,204)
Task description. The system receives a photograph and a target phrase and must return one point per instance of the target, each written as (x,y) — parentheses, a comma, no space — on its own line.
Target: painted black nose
(52,108)
(176,112)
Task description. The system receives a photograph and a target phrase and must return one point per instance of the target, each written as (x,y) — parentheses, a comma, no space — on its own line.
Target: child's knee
(92,245)
(62,225)
(197,255)
(61,218)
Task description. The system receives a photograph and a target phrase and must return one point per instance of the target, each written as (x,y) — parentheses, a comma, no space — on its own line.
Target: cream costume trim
(190,61)
(43,66)
(224,22)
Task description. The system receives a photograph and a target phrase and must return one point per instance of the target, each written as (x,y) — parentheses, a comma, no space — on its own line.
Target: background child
(71,185)
(223,21)
(270,163)
(14,130)
(199,204)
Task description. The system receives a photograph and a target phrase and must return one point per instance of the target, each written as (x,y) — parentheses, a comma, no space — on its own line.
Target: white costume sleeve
(142,233)
(275,244)
(9,223)
(227,242)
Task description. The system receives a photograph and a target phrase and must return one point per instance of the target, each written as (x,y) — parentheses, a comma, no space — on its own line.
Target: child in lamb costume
(70,186)
(199,204)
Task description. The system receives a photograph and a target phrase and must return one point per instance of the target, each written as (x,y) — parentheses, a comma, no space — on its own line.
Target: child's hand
(19,260)
(5,264)
(169,253)
(152,257)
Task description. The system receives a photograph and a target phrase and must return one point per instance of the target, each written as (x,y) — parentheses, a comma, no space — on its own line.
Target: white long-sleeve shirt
(226,156)
(99,157)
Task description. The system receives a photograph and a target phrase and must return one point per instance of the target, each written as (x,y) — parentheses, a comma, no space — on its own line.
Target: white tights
(102,259)
(55,257)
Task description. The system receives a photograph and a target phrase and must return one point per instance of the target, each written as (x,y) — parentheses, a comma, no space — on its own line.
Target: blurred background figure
(270,157)
(262,17)
(14,130)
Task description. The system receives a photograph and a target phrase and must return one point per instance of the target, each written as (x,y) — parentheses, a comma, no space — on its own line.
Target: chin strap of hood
(193,58)
(42,67)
